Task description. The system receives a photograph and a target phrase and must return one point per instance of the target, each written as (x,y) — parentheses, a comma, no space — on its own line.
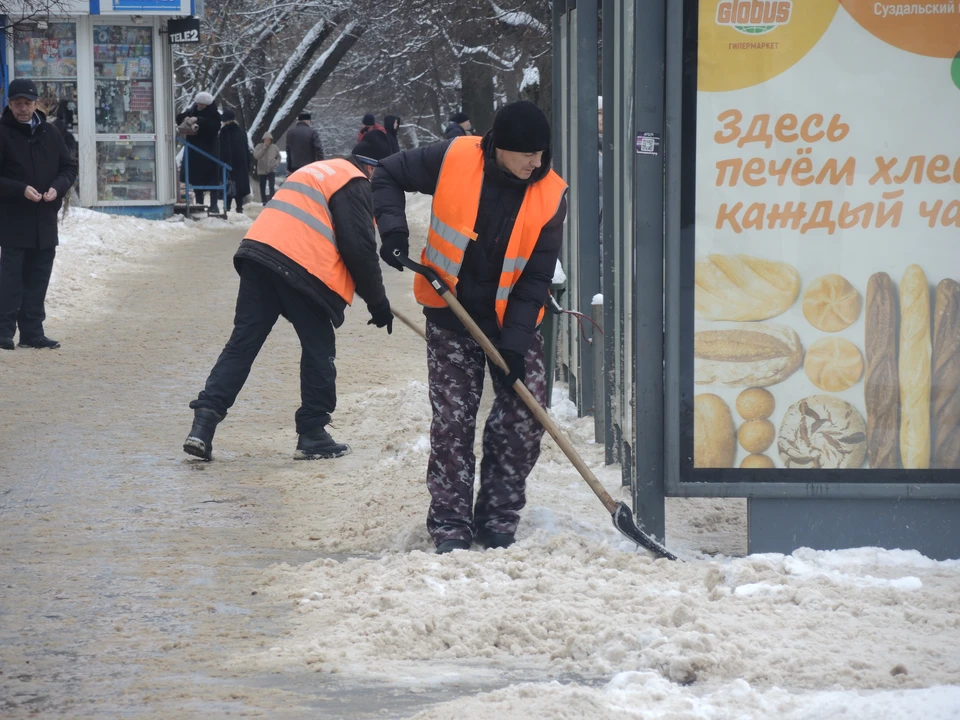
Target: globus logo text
(754,17)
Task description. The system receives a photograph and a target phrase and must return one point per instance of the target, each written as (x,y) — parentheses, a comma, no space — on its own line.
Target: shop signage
(183,31)
(142,7)
(822,340)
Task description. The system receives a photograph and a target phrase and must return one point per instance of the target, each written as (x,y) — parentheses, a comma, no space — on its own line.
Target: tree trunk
(476,94)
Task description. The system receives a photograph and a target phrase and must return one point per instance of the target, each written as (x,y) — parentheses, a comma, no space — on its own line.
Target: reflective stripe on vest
(456,203)
(297,222)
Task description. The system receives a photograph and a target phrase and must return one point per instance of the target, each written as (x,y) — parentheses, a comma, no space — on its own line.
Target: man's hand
(50,195)
(382,317)
(518,368)
(394,241)
(32,195)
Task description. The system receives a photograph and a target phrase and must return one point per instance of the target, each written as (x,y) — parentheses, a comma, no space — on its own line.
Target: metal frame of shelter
(648,83)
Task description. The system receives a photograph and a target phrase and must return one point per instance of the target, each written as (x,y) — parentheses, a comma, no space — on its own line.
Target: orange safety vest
(297,222)
(454,215)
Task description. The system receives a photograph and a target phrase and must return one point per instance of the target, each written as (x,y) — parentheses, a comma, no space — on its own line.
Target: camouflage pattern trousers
(511,438)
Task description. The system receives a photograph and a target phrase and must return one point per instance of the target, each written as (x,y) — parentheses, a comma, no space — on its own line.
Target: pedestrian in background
(459,126)
(392,125)
(235,152)
(267,156)
(302,258)
(36,172)
(367,123)
(206,137)
(303,144)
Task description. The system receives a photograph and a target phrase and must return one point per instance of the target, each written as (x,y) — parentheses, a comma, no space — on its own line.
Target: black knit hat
(459,117)
(369,119)
(227,114)
(521,127)
(374,146)
(303,116)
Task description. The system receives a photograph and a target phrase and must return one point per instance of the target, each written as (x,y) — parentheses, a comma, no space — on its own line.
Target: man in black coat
(459,126)
(235,152)
(516,155)
(203,170)
(303,144)
(36,172)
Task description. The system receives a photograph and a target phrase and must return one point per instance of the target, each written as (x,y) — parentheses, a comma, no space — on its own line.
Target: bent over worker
(495,234)
(312,245)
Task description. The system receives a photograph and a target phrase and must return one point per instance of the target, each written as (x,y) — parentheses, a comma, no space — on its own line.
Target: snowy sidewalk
(141,582)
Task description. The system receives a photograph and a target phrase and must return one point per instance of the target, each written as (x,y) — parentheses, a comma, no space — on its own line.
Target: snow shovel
(619,512)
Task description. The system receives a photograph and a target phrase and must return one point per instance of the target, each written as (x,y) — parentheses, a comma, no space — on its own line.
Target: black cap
(459,117)
(369,119)
(228,114)
(303,116)
(374,147)
(521,127)
(21,87)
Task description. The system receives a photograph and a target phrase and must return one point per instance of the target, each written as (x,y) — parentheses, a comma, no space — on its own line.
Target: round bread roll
(756,461)
(756,436)
(755,403)
(831,303)
(714,439)
(822,432)
(833,364)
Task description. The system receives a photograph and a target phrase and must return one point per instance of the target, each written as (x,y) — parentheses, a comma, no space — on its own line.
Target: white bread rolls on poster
(915,371)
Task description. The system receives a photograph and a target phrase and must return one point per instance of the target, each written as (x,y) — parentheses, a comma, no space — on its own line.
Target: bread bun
(745,355)
(831,303)
(755,403)
(756,436)
(744,288)
(833,364)
(714,444)
(756,461)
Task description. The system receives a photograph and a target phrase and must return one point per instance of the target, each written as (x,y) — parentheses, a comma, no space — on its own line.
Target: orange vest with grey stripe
(455,206)
(297,222)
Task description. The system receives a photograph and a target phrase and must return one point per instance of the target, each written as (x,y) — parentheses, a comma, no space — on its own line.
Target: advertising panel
(821,342)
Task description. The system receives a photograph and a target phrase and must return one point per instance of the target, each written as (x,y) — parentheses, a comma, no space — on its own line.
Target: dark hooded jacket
(351,209)
(500,199)
(389,121)
(235,153)
(204,171)
(34,156)
(454,130)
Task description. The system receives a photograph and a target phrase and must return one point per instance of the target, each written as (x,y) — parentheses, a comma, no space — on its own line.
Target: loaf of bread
(746,355)
(756,462)
(831,303)
(755,404)
(833,364)
(914,365)
(822,432)
(756,436)
(945,388)
(744,288)
(714,439)
(881,385)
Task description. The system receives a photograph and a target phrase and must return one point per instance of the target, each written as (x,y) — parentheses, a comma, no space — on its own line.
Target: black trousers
(24,277)
(263,297)
(264,179)
(214,195)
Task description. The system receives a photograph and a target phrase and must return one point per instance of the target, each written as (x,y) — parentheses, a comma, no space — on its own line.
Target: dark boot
(318,445)
(199,442)
(447,546)
(6,344)
(491,540)
(40,343)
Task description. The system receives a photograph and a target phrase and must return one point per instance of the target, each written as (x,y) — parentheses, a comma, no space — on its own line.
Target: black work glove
(397,240)
(518,369)
(382,317)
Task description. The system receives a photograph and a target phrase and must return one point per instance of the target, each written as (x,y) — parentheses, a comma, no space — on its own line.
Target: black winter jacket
(351,209)
(500,199)
(454,130)
(388,123)
(202,170)
(34,156)
(303,146)
(235,152)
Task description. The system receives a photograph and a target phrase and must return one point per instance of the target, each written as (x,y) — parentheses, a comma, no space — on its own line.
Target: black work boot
(40,343)
(6,344)
(318,445)
(447,546)
(491,540)
(199,442)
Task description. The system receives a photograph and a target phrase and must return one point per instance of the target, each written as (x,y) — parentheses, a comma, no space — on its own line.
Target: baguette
(914,367)
(714,440)
(748,355)
(881,385)
(945,397)
(743,288)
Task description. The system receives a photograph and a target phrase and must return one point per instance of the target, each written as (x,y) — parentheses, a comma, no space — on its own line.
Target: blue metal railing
(224,168)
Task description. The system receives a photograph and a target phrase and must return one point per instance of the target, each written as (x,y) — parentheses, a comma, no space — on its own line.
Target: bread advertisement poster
(826,304)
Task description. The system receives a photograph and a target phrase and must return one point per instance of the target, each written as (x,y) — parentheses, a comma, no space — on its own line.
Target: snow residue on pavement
(94,244)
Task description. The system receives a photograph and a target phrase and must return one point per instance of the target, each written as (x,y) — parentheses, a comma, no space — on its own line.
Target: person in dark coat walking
(303,144)
(367,123)
(498,213)
(306,253)
(392,125)
(36,172)
(204,171)
(459,126)
(235,152)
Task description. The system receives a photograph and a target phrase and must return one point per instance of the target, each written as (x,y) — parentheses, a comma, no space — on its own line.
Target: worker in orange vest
(312,245)
(495,234)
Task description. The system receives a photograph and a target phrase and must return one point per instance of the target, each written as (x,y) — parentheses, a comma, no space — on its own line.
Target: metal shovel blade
(623,521)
